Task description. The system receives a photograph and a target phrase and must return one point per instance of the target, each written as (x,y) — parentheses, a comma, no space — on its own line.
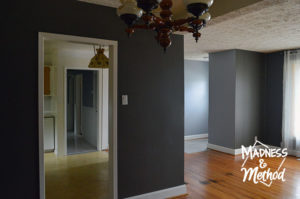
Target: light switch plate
(124,99)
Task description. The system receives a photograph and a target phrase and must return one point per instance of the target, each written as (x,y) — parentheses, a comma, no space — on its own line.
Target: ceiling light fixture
(99,60)
(132,10)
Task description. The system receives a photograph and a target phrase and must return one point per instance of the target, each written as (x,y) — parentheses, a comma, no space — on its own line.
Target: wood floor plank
(216,175)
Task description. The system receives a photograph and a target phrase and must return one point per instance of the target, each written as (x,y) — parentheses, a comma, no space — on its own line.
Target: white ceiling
(266,26)
(220,7)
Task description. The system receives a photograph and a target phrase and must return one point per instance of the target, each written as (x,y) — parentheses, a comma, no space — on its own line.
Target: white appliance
(49,133)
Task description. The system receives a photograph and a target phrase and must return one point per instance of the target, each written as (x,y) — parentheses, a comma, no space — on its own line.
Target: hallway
(78,145)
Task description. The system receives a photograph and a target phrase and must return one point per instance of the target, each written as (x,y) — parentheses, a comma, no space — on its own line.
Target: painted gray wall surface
(150,129)
(249,97)
(236,99)
(221,123)
(274,98)
(195,97)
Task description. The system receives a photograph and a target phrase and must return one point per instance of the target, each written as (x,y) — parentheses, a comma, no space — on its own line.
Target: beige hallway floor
(82,176)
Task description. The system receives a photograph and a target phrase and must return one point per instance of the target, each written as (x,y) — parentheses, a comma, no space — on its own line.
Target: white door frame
(113,96)
(99,104)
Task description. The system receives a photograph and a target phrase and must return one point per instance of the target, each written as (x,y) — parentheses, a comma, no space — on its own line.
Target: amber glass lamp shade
(99,60)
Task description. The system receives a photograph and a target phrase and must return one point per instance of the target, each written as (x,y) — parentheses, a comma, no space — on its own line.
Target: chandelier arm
(197,22)
(180,22)
(144,26)
(158,20)
(184,29)
(147,18)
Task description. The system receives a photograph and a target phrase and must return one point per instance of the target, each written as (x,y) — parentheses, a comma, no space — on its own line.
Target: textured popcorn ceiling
(266,26)
(220,7)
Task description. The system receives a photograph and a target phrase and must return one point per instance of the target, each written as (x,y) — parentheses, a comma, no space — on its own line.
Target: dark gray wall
(221,123)
(249,97)
(150,129)
(195,97)
(274,98)
(236,100)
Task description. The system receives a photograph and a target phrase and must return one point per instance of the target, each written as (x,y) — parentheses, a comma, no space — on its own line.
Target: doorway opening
(77,118)
(196,108)
(87,110)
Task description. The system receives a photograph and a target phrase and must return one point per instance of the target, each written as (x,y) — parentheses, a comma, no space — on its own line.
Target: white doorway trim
(113,96)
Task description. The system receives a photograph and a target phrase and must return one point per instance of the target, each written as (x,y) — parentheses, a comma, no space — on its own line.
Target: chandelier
(132,10)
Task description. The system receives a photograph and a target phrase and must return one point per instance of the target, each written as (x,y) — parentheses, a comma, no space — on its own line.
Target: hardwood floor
(216,175)
(81,176)
(209,175)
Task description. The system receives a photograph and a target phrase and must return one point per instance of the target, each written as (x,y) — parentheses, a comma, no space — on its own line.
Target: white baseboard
(221,149)
(239,151)
(225,149)
(197,136)
(162,194)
